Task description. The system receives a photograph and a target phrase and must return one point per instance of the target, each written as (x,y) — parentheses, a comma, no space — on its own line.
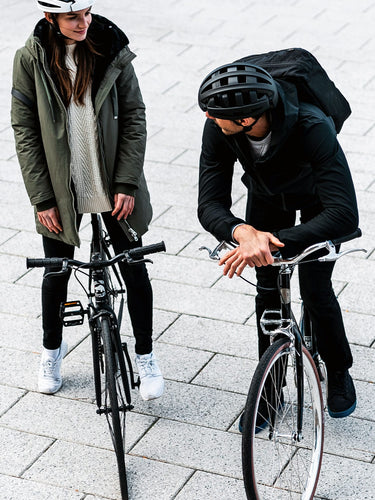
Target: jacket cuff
(45,205)
(128,189)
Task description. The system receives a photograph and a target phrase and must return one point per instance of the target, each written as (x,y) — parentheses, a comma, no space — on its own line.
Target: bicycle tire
(275,465)
(96,350)
(114,404)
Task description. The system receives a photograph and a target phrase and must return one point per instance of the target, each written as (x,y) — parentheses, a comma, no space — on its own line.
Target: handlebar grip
(48,262)
(356,234)
(139,252)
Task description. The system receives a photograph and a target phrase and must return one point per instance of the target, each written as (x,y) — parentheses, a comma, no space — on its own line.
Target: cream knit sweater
(85,164)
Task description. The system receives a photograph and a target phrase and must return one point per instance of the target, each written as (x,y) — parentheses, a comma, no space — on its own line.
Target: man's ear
(246,122)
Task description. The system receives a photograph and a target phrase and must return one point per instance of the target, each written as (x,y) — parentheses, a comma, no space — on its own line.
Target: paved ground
(186,445)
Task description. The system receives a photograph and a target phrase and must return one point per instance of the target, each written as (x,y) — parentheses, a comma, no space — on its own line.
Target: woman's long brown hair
(84,56)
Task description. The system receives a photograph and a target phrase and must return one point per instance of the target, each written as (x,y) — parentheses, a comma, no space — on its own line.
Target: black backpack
(301,68)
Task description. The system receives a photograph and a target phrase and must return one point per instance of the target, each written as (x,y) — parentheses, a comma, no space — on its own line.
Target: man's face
(228,127)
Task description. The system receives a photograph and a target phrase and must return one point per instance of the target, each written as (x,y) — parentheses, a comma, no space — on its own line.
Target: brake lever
(132,262)
(214,254)
(64,269)
(333,255)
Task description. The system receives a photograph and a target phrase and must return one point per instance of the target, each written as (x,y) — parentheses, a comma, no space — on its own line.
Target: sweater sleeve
(215,184)
(339,214)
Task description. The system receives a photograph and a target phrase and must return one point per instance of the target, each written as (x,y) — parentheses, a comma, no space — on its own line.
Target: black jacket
(303,167)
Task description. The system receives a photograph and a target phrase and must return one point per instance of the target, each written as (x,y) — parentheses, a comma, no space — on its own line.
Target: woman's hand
(51,220)
(124,205)
(254,249)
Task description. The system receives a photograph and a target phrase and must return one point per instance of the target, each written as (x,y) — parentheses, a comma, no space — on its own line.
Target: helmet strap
(247,128)
(56,27)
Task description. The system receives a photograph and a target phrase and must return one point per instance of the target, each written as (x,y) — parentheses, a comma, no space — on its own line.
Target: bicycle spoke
(275,461)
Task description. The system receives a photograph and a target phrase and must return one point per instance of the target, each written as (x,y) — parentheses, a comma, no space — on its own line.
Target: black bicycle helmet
(237,90)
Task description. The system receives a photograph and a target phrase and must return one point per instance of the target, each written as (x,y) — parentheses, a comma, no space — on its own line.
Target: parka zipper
(43,74)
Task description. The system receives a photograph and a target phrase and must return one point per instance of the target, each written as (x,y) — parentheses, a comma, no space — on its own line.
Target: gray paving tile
(5,235)
(69,420)
(227,373)
(19,332)
(198,301)
(25,366)
(19,450)
(9,396)
(175,240)
(359,327)
(213,335)
(195,405)
(358,298)
(180,218)
(365,399)
(180,363)
(205,485)
(14,488)
(177,269)
(62,465)
(363,364)
(350,437)
(25,244)
(175,442)
(28,302)
(345,479)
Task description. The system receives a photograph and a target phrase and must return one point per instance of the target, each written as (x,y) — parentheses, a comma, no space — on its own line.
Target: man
(292,161)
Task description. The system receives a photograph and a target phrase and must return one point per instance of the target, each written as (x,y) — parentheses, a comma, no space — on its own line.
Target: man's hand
(124,205)
(51,220)
(254,249)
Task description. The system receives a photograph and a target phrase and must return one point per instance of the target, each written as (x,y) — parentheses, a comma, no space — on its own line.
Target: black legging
(315,287)
(138,287)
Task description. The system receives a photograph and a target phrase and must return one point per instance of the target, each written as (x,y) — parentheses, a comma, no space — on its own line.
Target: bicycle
(285,394)
(112,367)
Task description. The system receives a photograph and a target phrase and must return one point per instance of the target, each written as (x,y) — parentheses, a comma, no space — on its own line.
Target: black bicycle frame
(103,307)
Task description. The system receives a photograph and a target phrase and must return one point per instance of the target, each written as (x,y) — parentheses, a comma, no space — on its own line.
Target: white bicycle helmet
(57,6)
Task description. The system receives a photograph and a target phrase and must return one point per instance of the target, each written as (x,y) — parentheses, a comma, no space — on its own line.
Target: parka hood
(109,39)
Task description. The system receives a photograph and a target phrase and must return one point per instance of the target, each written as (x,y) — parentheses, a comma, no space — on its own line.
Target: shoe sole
(344,413)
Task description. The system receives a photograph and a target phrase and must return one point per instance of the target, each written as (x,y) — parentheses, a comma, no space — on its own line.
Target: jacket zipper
(43,74)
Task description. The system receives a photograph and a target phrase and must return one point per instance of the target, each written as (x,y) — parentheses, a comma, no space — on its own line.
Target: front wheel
(114,403)
(277,463)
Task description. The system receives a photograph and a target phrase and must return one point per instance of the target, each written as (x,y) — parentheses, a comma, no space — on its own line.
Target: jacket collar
(109,39)
(284,117)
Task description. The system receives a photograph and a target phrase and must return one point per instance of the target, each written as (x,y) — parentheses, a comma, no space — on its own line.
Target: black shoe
(342,399)
(261,423)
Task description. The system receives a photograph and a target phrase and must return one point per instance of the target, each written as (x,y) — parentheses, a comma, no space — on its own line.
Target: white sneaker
(152,382)
(49,380)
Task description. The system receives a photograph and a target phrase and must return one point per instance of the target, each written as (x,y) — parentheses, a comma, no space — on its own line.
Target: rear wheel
(114,403)
(277,464)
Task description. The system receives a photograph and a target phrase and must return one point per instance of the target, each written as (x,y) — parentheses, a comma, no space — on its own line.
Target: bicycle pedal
(270,321)
(72,313)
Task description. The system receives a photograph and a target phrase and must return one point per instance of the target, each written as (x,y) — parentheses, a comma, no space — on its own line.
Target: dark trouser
(315,287)
(138,287)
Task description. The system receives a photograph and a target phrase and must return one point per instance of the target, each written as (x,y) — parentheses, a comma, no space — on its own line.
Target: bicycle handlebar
(130,256)
(329,245)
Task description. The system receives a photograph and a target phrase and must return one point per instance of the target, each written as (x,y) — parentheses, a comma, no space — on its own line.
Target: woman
(79,124)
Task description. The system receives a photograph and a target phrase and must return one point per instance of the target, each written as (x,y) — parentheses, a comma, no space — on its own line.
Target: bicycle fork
(281,323)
